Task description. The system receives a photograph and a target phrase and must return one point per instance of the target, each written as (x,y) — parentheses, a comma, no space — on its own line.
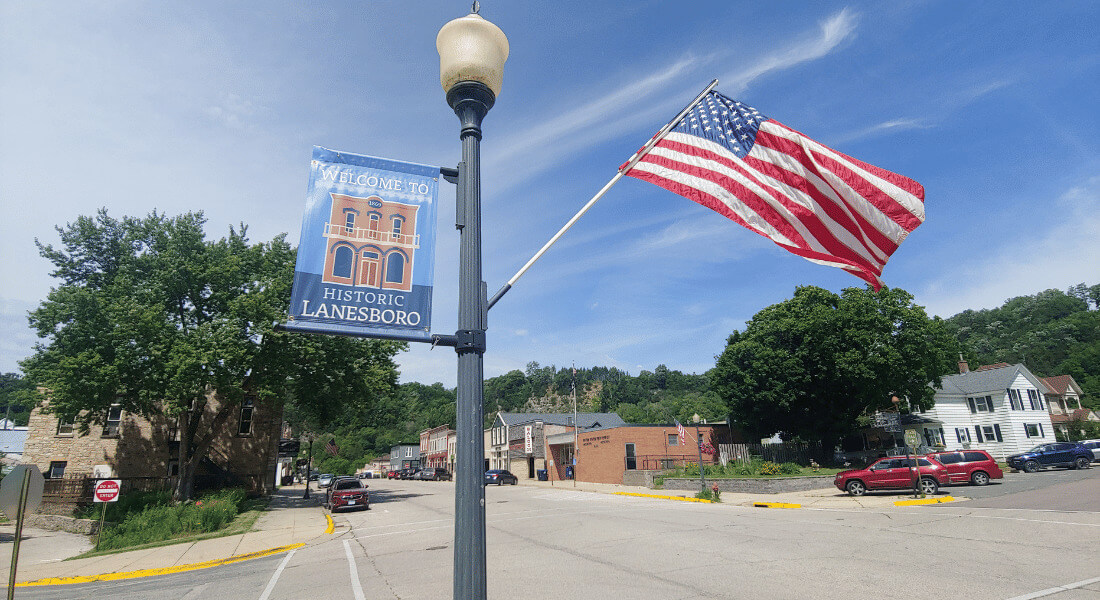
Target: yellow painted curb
(924,501)
(161,571)
(681,498)
(776,505)
(331,525)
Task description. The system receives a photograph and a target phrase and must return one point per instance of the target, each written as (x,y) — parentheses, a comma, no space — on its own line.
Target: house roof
(991,378)
(1060,383)
(12,440)
(584,420)
(1082,414)
(992,366)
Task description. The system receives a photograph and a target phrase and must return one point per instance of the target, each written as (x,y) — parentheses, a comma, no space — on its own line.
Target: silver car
(1093,445)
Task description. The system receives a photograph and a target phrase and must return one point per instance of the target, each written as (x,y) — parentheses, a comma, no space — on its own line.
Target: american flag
(683,433)
(331,447)
(809,199)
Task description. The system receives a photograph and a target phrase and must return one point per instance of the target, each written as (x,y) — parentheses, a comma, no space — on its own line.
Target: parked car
(435,474)
(1094,446)
(969,466)
(893,474)
(347,492)
(314,475)
(393,473)
(366,475)
(408,473)
(325,480)
(500,477)
(1059,454)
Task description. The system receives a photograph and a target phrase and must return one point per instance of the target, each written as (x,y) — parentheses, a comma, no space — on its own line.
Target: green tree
(154,317)
(16,398)
(809,366)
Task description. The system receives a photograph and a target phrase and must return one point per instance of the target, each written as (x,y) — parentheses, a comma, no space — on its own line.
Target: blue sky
(215,106)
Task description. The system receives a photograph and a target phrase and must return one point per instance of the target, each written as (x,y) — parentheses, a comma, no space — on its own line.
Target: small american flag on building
(683,433)
(809,199)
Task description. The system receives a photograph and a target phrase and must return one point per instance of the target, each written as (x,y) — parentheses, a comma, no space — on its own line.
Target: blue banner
(367,252)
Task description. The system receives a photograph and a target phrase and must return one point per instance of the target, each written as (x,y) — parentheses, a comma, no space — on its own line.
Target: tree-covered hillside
(1051,333)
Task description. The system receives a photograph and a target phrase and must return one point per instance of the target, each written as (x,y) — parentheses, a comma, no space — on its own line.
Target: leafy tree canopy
(809,366)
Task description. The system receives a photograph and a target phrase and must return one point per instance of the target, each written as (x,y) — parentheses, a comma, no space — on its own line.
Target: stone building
(132,447)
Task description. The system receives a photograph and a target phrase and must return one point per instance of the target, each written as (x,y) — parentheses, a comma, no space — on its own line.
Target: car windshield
(1039,448)
(347,485)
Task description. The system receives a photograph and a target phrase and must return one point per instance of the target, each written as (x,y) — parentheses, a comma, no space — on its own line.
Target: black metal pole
(309,468)
(471,101)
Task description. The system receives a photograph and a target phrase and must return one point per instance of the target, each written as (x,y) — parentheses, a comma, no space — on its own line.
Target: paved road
(552,543)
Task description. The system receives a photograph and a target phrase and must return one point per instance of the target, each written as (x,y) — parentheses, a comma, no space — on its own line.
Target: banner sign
(367,252)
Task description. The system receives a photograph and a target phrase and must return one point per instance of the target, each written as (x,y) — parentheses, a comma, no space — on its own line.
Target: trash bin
(568,472)
(543,475)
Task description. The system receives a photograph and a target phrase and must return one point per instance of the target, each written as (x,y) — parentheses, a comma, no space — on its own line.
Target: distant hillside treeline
(1051,333)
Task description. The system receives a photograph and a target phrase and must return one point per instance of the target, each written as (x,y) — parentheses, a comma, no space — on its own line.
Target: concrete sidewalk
(290,521)
(820,498)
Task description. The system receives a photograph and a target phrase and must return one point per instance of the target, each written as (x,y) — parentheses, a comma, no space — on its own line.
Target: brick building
(609,454)
(517,440)
(129,446)
(371,243)
(434,448)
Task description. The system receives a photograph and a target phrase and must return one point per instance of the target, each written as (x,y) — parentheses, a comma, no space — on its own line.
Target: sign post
(106,490)
(21,491)
(912,442)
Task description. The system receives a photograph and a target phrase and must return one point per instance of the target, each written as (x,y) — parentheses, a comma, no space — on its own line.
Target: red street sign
(107,490)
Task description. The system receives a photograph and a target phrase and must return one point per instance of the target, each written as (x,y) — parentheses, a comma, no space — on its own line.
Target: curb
(680,498)
(775,505)
(331,526)
(160,571)
(924,501)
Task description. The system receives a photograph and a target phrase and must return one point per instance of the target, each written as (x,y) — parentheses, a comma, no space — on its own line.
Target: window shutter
(997,430)
(1041,434)
(973,408)
(989,402)
(958,434)
(978,431)
(1025,431)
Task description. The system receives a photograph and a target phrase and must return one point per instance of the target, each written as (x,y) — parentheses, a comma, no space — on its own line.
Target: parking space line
(275,576)
(1056,590)
(356,587)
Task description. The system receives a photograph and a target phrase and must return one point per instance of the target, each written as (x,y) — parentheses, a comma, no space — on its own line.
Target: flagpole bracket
(470,340)
(439,339)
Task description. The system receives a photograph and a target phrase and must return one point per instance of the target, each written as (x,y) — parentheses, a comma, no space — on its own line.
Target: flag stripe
(798,209)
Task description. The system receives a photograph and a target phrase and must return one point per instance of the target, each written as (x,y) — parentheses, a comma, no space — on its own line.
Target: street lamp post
(472,52)
(309,467)
(699,447)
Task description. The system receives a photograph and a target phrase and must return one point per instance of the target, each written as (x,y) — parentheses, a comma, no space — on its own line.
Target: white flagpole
(619,175)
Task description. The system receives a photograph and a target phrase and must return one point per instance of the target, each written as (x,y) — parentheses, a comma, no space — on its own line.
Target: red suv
(969,466)
(893,473)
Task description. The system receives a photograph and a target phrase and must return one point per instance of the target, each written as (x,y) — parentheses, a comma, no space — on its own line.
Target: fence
(796,452)
(73,490)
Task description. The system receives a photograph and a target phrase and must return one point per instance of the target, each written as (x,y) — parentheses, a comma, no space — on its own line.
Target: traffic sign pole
(18,532)
(99,532)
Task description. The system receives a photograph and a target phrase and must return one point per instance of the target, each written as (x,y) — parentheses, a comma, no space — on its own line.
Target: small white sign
(528,442)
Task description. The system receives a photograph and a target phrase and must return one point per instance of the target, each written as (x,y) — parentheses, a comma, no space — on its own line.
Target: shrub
(790,468)
(160,522)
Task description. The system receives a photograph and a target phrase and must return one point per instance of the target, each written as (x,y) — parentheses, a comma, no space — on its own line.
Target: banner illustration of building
(366,255)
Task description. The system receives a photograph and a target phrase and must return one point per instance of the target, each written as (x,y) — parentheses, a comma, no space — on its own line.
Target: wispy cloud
(832,33)
(1029,264)
(884,128)
(232,111)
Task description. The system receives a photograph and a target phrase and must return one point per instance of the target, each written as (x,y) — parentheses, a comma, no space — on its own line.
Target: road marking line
(159,571)
(680,498)
(331,526)
(924,501)
(1056,590)
(356,587)
(275,577)
(775,505)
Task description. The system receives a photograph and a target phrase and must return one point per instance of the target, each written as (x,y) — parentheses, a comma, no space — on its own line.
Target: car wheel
(1031,466)
(929,486)
(979,478)
(856,488)
(1081,463)
(515,481)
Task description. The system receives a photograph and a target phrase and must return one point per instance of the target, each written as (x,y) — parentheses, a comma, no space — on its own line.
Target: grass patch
(218,514)
(755,469)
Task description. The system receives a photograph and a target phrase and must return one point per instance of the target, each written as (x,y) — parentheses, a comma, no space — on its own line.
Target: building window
(341,264)
(981,404)
(1014,399)
(349,221)
(114,419)
(1036,400)
(1033,430)
(65,425)
(395,268)
(673,439)
(397,223)
(963,434)
(245,427)
(987,434)
(173,468)
(57,469)
(408,452)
